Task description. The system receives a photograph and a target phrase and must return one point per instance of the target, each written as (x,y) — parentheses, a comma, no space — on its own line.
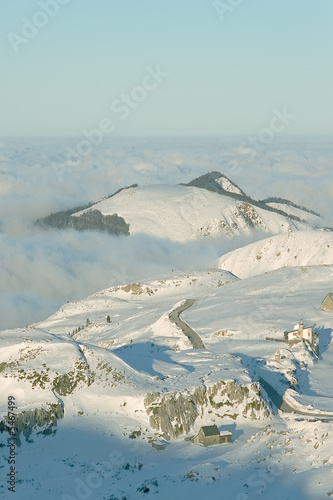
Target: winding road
(282,405)
(277,399)
(193,337)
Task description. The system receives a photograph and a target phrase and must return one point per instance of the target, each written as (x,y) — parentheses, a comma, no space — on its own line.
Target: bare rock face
(251,217)
(173,414)
(235,400)
(135,289)
(44,419)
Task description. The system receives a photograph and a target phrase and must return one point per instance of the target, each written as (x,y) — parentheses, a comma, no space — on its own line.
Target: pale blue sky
(225,78)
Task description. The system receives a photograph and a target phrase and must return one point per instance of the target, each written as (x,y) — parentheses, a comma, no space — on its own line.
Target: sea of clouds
(40,270)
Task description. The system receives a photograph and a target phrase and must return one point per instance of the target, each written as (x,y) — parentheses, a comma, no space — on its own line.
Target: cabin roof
(210,430)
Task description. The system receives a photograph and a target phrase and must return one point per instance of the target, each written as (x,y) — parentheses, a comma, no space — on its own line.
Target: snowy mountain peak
(210,205)
(186,213)
(229,186)
(217,182)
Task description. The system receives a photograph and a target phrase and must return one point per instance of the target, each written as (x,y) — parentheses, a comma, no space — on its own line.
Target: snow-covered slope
(125,383)
(185,213)
(302,248)
(229,186)
(310,218)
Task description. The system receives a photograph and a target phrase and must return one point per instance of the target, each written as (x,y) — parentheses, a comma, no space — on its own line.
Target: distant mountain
(183,213)
(210,205)
(285,250)
(215,181)
(294,210)
(90,220)
(219,183)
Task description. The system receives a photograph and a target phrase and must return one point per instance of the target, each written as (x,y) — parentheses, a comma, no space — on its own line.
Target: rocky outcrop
(44,419)
(65,384)
(251,217)
(174,413)
(135,289)
(235,400)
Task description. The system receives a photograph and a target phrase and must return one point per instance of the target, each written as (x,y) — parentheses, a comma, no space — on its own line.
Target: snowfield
(183,213)
(289,209)
(300,248)
(228,185)
(136,379)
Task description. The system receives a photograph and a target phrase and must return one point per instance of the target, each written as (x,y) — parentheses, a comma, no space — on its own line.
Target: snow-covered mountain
(183,213)
(110,378)
(310,217)
(229,186)
(218,183)
(210,205)
(111,389)
(300,248)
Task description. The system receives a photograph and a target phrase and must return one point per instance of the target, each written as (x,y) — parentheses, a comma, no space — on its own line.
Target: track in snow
(282,405)
(187,330)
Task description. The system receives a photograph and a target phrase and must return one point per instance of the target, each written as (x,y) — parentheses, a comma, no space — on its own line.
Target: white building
(301,332)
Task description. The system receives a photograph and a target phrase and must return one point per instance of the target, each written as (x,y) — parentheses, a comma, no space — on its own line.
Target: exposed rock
(199,396)
(45,378)
(135,289)
(65,384)
(173,414)
(250,215)
(27,421)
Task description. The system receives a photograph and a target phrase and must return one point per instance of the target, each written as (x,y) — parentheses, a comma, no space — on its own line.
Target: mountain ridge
(299,248)
(183,213)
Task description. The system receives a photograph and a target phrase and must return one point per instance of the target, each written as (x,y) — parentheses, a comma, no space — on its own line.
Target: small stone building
(209,435)
(277,355)
(327,304)
(225,437)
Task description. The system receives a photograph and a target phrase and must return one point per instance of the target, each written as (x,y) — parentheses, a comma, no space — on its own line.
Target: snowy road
(286,407)
(187,330)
